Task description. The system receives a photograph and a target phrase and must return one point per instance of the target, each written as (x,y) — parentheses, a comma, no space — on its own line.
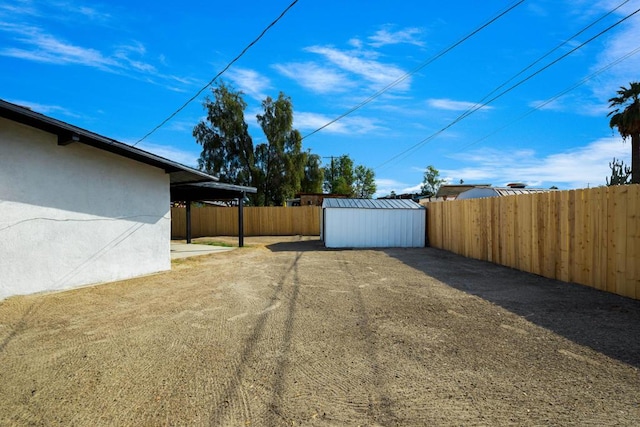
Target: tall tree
(276,168)
(338,176)
(227,148)
(364,184)
(281,158)
(625,116)
(620,174)
(313,174)
(431,181)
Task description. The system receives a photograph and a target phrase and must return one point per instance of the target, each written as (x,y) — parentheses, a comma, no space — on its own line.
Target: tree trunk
(635,158)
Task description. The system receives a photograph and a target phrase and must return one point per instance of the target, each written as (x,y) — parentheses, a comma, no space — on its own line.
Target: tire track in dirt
(19,325)
(232,391)
(282,366)
(380,407)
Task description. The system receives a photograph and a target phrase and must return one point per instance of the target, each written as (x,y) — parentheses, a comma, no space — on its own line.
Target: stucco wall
(76,215)
(373,228)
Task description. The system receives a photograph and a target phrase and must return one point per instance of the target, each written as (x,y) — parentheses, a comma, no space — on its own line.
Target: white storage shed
(366,223)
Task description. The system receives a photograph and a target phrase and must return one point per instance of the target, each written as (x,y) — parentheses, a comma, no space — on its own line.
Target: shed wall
(76,215)
(373,228)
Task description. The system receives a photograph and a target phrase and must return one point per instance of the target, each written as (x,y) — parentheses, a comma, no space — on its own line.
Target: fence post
(241,220)
(188,221)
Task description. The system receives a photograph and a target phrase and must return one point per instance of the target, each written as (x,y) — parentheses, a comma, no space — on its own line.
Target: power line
(551,51)
(479,106)
(420,67)
(558,95)
(219,74)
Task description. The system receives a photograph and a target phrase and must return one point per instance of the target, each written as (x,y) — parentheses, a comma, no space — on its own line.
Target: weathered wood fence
(591,237)
(258,221)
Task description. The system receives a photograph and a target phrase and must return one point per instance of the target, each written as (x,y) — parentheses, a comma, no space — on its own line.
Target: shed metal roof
(371,204)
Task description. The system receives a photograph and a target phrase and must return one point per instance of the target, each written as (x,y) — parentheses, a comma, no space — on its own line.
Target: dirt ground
(285,332)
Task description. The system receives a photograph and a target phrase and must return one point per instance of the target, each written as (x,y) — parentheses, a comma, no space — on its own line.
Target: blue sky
(119,68)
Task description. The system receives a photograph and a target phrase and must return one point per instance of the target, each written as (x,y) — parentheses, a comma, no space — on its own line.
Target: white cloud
(38,46)
(187,158)
(61,11)
(385,186)
(385,37)
(19,8)
(250,82)
(573,105)
(345,126)
(355,42)
(451,105)
(314,77)
(619,43)
(547,105)
(31,43)
(41,47)
(376,73)
(44,108)
(575,168)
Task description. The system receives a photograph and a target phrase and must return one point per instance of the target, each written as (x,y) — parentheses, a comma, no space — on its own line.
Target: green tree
(620,174)
(364,184)
(338,176)
(276,168)
(341,177)
(227,148)
(281,159)
(625,116)
(313,175)
(431,181)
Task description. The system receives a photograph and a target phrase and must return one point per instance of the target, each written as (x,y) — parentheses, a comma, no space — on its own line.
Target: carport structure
(211,191)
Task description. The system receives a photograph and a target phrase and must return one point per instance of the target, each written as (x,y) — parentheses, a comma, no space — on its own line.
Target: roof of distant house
(452,190)
(480,192)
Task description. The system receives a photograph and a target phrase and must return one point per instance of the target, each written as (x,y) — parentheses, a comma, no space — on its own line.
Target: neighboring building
(512,189)
(451,191)
(366,223)
(77,208)
(410,196)
(312,199)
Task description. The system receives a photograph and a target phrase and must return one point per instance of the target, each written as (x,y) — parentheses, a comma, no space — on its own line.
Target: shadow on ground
(605,322)
(297,246)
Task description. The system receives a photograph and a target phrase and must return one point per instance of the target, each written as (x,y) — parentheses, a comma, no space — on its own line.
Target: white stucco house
(78,208)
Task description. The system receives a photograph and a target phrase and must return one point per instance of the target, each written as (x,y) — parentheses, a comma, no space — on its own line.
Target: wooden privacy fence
(591,237)
(258,221)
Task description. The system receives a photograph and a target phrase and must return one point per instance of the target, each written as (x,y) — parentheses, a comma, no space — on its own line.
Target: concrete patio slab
(184,250)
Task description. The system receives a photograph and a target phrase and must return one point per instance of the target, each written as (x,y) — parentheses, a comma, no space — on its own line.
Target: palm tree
(628,122)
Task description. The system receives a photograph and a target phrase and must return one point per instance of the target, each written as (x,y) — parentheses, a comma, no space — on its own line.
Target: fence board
(591,237)
(632,244)
(562,268)
(258,221)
